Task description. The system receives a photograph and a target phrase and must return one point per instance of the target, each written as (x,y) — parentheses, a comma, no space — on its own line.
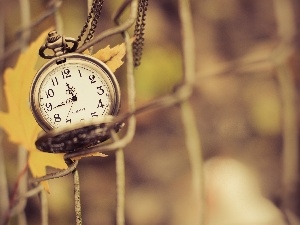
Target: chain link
(92,19)
(138,43)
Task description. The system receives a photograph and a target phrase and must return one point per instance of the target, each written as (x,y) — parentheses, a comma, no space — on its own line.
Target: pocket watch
(71,89)
(78,89)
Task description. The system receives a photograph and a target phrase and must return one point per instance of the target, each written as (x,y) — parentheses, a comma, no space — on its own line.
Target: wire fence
(277,60)
(180,95)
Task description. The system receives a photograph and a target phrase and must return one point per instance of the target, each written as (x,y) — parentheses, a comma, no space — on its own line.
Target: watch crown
(53,36)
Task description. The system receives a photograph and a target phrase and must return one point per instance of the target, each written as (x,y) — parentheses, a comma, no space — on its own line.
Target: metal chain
(138,43)
(139,29)
(94,15)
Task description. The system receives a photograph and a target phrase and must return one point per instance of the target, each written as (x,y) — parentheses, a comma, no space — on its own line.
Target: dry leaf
(19,122)
(112,57)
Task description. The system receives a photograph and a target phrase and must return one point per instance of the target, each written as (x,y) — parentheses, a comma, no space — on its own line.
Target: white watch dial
(72,92)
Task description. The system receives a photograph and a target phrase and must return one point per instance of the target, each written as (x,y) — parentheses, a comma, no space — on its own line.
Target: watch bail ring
(78,136)
(58,44)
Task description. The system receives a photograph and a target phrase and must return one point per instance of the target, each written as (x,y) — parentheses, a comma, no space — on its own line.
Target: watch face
(79,89)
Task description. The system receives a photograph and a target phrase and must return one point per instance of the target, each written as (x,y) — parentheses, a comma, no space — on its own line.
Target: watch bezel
(91,62)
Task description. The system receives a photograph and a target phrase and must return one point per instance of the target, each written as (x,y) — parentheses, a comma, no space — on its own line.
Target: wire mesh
(270,60)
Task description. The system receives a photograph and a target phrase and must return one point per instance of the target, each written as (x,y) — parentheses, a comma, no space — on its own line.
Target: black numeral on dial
(94,114)
(49,106)
(54,81)
(100,104)
(92,78)
(66,73)
(100,90)
(50,93)
(57,118)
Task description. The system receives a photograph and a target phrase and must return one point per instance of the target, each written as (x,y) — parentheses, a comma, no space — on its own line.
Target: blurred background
(245,102)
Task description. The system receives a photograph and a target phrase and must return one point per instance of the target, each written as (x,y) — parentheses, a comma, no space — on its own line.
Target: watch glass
(81,88)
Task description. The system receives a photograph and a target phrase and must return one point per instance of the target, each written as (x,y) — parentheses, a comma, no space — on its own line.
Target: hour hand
(71,91)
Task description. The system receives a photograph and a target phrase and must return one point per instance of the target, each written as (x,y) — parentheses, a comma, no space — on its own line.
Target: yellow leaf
(39,160)
(19,122)
(112,57)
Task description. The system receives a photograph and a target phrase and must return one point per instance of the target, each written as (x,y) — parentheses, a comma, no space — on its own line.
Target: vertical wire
(286,20)
(188,41)
(120,182)
(22,187)
(44,210)
(130,76)
(78,214)
(22,153)
(192,138)
(77,199)
(193,145)
(286,29)
(120,162)
(2,38)
(25,22)
(120,171)
(290,154)
(4,203)
(57,17)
